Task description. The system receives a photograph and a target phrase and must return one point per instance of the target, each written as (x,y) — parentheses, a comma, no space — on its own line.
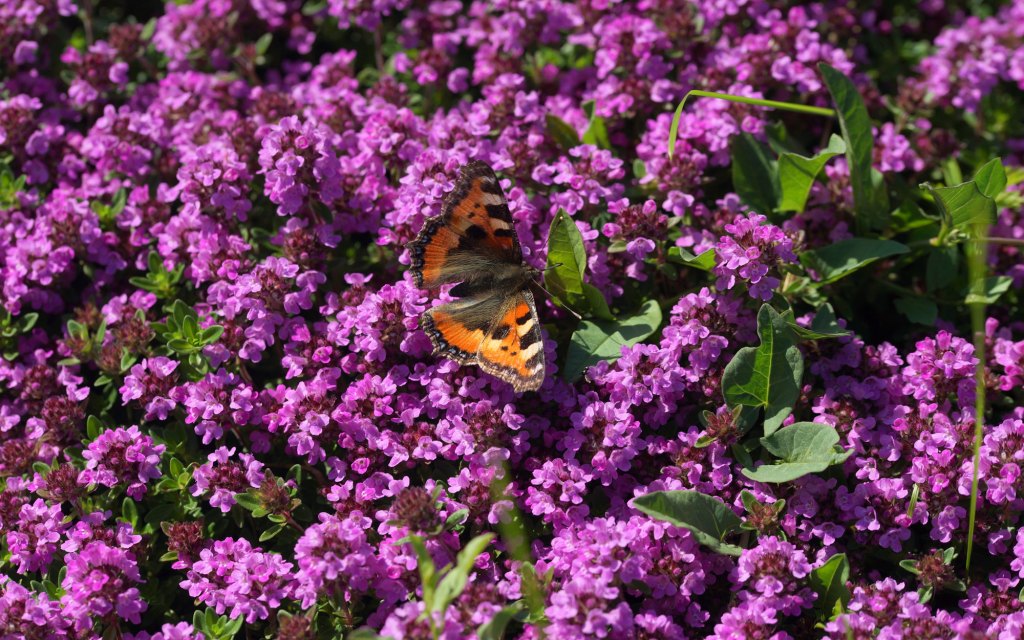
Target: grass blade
(673,131)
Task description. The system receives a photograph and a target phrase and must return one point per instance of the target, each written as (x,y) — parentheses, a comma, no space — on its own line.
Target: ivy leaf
(597,340)
(797,173)
(709,519)
(755,176)
(829,582)
(705,261)
(870,198)
(768,375)
(846,256)
(803,448)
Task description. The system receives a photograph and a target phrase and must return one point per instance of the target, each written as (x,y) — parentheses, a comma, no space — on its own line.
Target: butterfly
(473,242)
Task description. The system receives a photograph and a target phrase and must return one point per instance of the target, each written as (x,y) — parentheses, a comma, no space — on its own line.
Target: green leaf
(963,205)
(271,532)
(93,427)
(829,582)
(494,629)
(846,256)
(454,582)
(768,375)
(596,303)
(129,512)
(870,198)
(709,519)
(991,178)
(755,176)
(597,340)
(823,327)
(797,173)
(597,132)
(803,448)
(705,261)
(987,291)
(919,310)
(247,501)
(941,268)
(428,572)
(565,249)
(562,132)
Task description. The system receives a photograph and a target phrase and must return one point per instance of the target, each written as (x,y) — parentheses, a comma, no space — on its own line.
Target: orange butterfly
(474,243)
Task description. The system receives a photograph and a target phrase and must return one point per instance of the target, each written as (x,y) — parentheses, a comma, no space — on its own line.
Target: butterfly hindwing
(501,334)
(513,349)
(457,329)
(475,228)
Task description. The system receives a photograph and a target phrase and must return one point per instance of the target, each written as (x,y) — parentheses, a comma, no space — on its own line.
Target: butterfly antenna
(552,296)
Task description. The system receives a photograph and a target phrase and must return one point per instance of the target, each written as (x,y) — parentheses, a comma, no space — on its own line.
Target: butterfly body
(473,243)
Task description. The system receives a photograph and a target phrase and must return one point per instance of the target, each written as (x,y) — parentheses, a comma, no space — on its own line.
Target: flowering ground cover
(784,343)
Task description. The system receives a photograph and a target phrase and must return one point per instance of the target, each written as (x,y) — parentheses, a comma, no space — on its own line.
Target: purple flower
(236,578)
(122,456)
(100,581)
(749,253)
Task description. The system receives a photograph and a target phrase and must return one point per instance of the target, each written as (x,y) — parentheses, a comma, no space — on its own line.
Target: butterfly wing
(514,348)
(473,232)
(501,334)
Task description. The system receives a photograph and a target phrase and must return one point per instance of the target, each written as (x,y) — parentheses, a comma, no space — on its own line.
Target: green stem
(977,268)
(1013,242)
(757,102)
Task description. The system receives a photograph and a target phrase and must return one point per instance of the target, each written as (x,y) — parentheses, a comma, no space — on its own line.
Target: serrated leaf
(768,375)
(798,173)
(709,519)
(871,200)
(597,340)
(839,260)
(802,448)
(755,176)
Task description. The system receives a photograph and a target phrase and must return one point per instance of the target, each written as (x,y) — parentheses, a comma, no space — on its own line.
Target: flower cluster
(219,408)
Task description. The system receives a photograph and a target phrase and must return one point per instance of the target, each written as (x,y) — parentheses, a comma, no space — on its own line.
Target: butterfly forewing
(475,226)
